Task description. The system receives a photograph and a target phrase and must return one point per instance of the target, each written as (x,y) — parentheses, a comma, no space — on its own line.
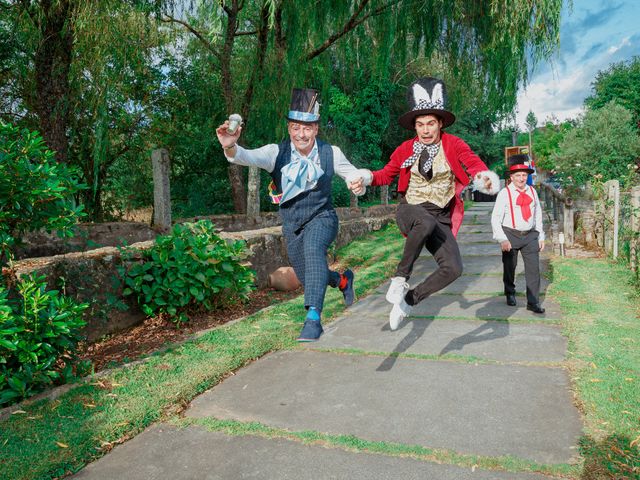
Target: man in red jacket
(431,169)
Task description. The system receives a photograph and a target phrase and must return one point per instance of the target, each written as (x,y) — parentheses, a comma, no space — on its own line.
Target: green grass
(47,439)
(602,323)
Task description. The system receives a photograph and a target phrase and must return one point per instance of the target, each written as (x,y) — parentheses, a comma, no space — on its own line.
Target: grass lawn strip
(601,312)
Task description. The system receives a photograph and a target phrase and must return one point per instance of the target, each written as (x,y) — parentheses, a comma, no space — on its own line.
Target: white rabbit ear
(437,96)
(420,94)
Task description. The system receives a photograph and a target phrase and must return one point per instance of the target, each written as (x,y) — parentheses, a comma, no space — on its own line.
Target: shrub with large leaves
(36,192)
(191,268)
(38,335)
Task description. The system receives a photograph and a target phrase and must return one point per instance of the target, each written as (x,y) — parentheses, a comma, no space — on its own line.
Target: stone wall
(92,276)
(89,236)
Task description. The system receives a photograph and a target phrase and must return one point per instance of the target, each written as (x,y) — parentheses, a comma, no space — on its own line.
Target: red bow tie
(524,201)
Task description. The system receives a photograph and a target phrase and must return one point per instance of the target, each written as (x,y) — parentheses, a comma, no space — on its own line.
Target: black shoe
(511,299)
(349,294)
(535,308)
(311,331)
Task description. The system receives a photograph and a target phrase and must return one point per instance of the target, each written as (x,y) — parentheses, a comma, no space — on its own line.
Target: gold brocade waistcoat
(439,190)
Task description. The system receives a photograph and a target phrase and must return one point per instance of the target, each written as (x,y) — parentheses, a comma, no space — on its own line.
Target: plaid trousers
(307,251)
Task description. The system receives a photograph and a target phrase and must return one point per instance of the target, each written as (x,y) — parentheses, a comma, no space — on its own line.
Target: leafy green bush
(38,333)
(191,268)
(588,154)
(35,191)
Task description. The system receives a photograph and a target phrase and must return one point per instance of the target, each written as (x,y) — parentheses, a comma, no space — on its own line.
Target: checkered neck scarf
(418,149)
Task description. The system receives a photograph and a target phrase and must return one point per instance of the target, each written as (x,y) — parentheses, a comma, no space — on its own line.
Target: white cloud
(559,89)
(552,96)
(626,42)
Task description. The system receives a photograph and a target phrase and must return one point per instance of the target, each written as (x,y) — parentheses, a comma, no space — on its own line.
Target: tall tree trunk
(52,64)
(238,192)
(253,184)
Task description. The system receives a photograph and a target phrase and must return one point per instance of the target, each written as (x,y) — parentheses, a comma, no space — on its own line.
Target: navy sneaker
(311,331)
(347,291)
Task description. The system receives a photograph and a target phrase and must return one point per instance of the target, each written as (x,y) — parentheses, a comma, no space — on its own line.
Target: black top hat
(427,96)
(304,106)
(519,163)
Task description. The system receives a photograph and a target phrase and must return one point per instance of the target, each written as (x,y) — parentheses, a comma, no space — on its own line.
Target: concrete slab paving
(469,284)
(486,237)
(493,340)
(166,452)
(478,307)
(476,409)
(481,227)
(471,265)
(480,249)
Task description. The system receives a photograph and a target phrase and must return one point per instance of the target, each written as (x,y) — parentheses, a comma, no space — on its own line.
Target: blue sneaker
(311,331)
(347,291)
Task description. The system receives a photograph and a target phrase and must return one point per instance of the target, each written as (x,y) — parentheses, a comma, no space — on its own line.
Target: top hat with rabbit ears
(427,96)
(304,106)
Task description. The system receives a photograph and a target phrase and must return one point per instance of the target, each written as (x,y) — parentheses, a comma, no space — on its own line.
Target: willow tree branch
(352,23)
(207,44)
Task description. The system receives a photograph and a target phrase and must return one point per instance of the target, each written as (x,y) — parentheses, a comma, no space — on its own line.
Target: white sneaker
(397,290)
(398,313)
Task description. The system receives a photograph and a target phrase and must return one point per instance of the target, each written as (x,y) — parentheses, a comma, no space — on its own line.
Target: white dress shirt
(501,215)
(265,158)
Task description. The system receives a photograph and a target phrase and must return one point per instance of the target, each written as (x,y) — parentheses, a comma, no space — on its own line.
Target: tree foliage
(620,82)
(546,142)
(605,146)
(137,74)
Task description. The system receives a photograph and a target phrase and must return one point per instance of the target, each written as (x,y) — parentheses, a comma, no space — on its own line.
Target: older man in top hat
(516,222)
(431,169)
(301,169)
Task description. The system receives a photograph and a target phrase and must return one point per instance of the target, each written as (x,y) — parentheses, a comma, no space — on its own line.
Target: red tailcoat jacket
(458,155)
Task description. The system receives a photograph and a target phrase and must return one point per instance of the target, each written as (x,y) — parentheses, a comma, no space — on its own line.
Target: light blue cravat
(301,174)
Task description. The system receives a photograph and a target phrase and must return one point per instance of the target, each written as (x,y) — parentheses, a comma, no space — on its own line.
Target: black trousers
(527,244)
(426,227)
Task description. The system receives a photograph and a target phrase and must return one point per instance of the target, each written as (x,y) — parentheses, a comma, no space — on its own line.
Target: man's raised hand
(226,139)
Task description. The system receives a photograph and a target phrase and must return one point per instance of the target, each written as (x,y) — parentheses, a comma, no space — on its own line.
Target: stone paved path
(464,374)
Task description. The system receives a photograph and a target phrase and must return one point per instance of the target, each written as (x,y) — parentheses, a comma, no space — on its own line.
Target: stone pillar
(384,194)
(555,239)
(635,227)
(253,193)
(161,192)
(616,216)
(589,226)
(611,212)
(568,227)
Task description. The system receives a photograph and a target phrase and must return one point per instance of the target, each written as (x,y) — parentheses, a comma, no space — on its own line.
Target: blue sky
(593,35)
